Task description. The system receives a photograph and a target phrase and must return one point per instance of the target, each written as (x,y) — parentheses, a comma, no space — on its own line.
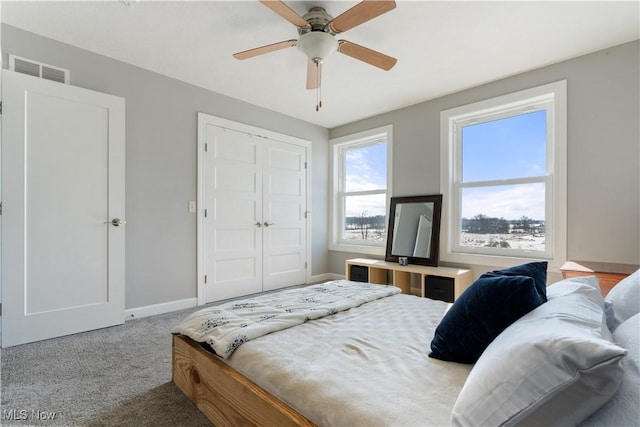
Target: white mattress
(367,366)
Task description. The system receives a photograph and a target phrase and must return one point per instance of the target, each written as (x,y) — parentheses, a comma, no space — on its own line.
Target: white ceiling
(441,46)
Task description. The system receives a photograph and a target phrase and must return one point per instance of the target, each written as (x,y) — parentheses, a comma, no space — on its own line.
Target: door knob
(116,222)
(267,224)
(258,224)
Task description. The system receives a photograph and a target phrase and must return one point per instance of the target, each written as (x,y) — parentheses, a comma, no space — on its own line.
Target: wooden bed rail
(224,396)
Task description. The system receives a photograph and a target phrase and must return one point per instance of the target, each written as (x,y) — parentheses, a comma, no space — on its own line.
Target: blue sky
(514,147)
(509,148)
(366,169)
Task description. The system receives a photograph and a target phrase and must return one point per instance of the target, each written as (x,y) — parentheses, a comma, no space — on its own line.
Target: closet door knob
(116,222)
(258,224)
(267,224)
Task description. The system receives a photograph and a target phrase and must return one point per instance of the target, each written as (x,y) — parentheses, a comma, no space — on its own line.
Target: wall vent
(38,69)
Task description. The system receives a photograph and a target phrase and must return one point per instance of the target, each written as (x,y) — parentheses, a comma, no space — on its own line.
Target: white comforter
(227,326)
(367,366)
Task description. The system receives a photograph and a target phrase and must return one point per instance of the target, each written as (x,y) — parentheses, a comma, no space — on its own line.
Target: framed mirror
(414,229)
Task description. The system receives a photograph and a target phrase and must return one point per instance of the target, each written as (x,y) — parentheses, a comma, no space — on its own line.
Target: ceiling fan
(317,30)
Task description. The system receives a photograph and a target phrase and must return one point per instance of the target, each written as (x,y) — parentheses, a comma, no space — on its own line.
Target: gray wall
(604,156)
(161,162)
(603,150)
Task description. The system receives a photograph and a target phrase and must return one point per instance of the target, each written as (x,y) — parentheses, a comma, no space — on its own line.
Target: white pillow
(623,408)
(589,286)
(625,299)
(574,284)
(554,366)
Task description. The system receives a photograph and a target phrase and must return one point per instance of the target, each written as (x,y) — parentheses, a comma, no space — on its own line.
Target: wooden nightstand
(608,274)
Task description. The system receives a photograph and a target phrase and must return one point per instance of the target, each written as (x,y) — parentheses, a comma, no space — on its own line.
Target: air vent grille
(54,74)
(38,69)
(27,67)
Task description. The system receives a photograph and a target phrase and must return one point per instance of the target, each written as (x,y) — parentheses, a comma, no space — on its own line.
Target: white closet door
(254,192)
(62,184)
(233,222)
(284,196)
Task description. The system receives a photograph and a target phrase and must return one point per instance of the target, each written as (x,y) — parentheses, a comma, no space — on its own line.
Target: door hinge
(305,264)
(305,165)
(205,278)
(0,107)
(205,213)
(306,214)
(0,208)
(206,147)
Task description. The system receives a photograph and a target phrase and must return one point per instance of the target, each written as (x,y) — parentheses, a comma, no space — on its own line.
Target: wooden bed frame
(224,396)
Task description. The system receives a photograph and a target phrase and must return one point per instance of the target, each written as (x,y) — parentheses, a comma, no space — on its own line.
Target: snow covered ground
(524,241)
(514,241)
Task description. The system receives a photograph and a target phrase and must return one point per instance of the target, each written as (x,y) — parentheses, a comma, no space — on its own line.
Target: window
(361,190)
(503,177)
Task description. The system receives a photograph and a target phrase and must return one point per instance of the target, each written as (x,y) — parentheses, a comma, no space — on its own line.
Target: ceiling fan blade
(286,12)
(264,49)
(313,74)
(367,55)
(360,13)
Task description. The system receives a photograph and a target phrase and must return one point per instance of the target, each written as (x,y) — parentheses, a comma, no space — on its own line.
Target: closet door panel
(233,241)
(284,196)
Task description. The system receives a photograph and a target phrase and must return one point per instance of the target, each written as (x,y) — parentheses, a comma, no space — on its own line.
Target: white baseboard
(326,277)
(165,307)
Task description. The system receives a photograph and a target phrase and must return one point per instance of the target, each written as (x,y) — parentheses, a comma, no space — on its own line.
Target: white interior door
(62,185)
(233,220)
(284,215)
(253,231)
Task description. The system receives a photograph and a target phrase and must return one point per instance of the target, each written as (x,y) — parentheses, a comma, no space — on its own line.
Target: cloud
(509,202)
(373,205)
(366,169)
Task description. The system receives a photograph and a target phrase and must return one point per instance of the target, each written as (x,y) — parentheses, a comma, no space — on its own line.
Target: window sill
(358,249)
(495,260)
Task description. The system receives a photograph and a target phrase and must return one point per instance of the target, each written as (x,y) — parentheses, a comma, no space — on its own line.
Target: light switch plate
(192,206)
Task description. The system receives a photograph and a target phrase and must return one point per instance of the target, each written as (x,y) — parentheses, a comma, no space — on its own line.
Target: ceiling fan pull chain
(318,81)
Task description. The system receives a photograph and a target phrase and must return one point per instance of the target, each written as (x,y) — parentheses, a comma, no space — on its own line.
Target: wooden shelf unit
(401,274)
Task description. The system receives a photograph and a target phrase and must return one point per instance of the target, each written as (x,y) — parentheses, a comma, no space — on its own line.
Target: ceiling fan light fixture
(317,30)
(317,45)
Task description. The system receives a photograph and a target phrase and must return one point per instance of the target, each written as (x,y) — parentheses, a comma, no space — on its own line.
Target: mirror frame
(432,260)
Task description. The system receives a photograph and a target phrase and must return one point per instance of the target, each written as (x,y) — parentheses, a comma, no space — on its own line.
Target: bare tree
(364,224)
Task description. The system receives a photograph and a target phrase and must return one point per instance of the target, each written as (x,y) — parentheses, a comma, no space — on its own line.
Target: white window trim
(556,211)
(335,206)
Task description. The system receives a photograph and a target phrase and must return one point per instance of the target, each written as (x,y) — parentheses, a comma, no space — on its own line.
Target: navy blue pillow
(493,302)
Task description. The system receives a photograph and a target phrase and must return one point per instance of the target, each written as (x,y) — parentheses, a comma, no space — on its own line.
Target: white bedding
(369,365)
(227,326)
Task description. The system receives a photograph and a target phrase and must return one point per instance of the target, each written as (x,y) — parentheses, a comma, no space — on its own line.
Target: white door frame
(207,119)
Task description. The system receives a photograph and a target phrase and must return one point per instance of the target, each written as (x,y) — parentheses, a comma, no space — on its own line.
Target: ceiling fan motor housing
(317,41)
(318,19)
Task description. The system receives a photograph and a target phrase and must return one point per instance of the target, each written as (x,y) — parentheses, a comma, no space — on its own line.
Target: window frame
(551,97)
(339,146)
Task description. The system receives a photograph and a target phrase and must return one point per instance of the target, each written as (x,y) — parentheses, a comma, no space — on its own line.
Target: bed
(374,364)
